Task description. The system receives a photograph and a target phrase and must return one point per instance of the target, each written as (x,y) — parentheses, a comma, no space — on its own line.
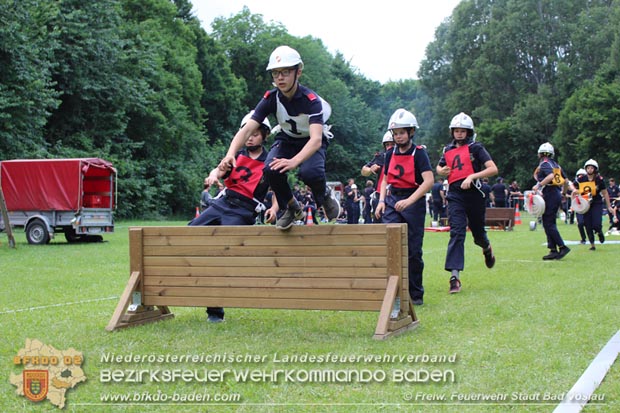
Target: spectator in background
(499,193)
(348,199)
(515,194)
(613,190)
(368,195)
(486,190)
(308,203)
(353,210)
(438,196)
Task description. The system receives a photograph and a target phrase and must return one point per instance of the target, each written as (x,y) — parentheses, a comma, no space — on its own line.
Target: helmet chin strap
(406,144)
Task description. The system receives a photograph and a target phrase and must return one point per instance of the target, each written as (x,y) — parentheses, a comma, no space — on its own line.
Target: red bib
(246,176)
(401,172)
(459,161)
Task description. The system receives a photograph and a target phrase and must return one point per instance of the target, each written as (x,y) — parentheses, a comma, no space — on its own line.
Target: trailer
(48,196)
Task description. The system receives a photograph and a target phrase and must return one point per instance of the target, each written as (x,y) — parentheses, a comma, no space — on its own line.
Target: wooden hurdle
(320,267)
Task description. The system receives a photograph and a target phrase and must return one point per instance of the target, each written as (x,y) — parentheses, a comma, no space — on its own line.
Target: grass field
(527,329)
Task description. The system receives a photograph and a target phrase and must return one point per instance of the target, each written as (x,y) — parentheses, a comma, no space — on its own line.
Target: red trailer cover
(50,184)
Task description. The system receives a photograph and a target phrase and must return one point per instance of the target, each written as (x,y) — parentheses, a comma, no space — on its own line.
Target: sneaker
(563,251)
(553,255)
(601,237)
(395,309)
(455,285)
(582,242)
(214,319)
(293,213)
(417,301)
(331,206)
(592,248)
(489,258)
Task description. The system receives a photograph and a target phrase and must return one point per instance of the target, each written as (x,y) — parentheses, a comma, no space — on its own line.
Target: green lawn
(525,329)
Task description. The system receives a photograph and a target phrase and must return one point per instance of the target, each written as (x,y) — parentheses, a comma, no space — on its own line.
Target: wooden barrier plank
(251,293)
(290,304)
(269,262)
(253,282)
(266,251)
(265,230)
(320,272)
(254,241)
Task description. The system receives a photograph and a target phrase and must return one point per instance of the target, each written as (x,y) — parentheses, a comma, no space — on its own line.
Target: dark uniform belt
(402,191)
(240,200)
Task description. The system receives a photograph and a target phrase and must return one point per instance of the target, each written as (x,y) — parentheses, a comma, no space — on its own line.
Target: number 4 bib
(459,161)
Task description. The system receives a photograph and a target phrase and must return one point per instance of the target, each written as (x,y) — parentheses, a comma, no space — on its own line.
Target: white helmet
(284,56)
(591,162)
(462,120)
(387,137)
(580,172)
(402,118)
(265,125)
(546,148)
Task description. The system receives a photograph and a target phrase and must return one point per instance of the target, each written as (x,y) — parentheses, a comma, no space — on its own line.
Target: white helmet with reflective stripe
(590,162)
(402,118)
(284,56)
(265,124)
(462,120)
(387,137)
(580,172)
(546,148)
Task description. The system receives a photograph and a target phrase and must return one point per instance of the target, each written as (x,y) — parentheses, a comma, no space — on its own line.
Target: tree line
(142,84)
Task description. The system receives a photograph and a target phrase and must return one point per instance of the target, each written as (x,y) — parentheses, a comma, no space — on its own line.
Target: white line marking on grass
(568,242)
(19,310)
(582,391)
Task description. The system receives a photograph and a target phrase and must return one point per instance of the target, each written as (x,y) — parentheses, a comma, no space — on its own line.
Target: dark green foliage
(512,65)
(28,40)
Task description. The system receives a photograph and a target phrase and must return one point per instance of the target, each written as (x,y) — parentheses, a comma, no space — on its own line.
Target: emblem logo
(36,384)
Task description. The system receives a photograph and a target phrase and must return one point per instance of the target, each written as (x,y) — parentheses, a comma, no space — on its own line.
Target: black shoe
(563,251)
(214,319)
(417,301)
(455,285)
(582,242)
(601,237)
(592,248)
(489,258)
(553,255)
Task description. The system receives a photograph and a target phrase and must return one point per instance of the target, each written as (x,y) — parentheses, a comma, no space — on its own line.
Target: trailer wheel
(37,233)
(71,236)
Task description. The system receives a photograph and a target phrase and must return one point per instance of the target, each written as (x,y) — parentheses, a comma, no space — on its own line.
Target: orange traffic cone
(309,218)
(197,212)
(517,216)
